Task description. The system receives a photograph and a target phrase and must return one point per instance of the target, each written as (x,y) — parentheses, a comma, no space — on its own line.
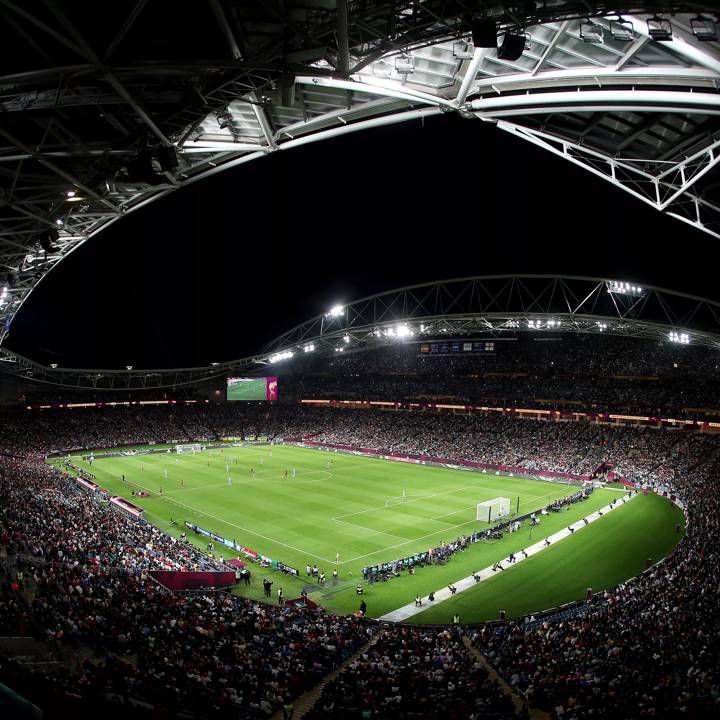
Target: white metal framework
(491,306)
(95,124)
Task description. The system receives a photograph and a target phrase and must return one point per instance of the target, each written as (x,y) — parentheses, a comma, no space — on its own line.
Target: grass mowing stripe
(603,555)
(291,519)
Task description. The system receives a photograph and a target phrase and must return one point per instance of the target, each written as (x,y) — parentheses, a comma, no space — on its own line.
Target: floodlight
(53,365)
(72,195)
(130,367)
(309,348)
(703,29)
(680,338)
(404,65)
(403,331)
(622,30)
(659,29)
(346,338)
(602,326)
(484,33)
(225,119)
(624,288)
(280,356)
(591,32)
(59,221)
(382,69)
(463,50)
(335,311)
(512,47)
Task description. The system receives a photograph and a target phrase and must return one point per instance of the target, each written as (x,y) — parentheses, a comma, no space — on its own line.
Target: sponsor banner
(127,507)
(179,580)
(287,569)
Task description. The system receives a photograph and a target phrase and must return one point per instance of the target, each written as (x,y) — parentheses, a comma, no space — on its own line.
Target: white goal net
(493,509)
(192,447)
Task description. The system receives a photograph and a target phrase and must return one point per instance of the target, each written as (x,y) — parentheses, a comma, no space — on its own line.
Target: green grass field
(369,511)
(247,389)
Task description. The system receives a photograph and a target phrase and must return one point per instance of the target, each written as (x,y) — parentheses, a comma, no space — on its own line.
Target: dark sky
(216,270)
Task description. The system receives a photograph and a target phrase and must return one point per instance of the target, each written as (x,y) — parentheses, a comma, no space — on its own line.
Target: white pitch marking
(403,613)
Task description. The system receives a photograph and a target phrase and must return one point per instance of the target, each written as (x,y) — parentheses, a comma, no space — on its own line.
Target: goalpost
(493,509)
(191,447)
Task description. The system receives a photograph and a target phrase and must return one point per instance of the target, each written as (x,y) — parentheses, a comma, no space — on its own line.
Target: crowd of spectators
(415,674)
(648,648)
(83,568)
(574,372)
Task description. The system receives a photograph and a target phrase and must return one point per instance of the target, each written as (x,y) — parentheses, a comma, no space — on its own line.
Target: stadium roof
(107,107)
(476,307)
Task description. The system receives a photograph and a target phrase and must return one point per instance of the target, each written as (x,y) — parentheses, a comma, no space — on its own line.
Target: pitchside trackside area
(364,510)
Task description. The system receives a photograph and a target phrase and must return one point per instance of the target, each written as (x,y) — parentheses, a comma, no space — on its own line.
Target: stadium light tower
(617,287)
(335,311)
(277,357)
(679,338)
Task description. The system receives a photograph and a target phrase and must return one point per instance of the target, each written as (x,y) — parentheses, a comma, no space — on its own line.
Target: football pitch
(303,506)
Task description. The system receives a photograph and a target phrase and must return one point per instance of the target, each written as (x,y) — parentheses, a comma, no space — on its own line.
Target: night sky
(218,269)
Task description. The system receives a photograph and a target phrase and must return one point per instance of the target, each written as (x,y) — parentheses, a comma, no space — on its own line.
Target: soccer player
(418,601)
(293,472)
(182,483)
(280,596)
(227,468)
(262,460)
(229,481)
(285,474)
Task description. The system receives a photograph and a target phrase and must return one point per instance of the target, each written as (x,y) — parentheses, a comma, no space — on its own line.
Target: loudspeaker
(512,46)
(47,238)
(141,170)
(167,157)
(484,33)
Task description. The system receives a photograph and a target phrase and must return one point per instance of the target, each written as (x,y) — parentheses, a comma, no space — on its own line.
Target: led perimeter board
(244,388)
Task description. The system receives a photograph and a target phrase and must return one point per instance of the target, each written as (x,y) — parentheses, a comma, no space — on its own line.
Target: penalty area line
(443,594)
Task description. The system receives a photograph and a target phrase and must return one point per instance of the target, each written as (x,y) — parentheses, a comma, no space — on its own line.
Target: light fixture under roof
(404,65)
(622,30)
(659,29)
(704,29)
(591,32)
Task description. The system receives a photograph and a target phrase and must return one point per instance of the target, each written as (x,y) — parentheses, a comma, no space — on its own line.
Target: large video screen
(244,388)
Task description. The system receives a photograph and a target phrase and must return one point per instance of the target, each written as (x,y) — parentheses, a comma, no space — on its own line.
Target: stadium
(283,472)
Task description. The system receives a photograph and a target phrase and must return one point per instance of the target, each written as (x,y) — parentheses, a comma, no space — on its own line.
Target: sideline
(409,610)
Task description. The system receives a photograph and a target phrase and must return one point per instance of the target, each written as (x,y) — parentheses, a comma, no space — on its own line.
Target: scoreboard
(257,388)
(457,348)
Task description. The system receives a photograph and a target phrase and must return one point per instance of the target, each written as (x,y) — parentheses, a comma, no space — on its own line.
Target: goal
(192,447)
(493,509)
